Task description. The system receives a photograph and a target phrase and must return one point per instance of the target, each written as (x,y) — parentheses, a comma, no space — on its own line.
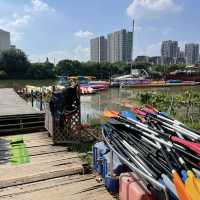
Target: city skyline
(114,47)
(44,28)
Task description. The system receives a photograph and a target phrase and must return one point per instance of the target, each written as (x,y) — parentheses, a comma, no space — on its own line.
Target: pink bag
(132,188)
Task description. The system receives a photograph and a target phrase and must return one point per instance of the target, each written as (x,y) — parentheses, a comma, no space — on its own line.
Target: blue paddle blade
(164,114)
(173,196)
(129,115)
(184,175)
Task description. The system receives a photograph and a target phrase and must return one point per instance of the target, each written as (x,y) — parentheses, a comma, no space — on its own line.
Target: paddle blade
(191,145)
(192,185)
(110,114)
(148,110)
(139,112)
(180,187)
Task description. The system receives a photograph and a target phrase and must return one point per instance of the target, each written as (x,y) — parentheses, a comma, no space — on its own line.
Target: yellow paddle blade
(180,187)
(192,185)
(110,114)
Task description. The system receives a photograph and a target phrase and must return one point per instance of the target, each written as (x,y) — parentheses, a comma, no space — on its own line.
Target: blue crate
(99,149)
(112,184)
(118,167)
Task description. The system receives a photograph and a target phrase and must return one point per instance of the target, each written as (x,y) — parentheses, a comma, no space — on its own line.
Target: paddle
(175,146)
(138,171)
(193,146)
(178,126)
(182,193)
(136,151)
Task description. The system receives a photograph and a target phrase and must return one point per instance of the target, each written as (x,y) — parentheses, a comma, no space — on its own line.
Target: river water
(92,106)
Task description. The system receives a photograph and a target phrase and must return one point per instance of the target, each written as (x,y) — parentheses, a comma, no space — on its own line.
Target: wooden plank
(50,174)
(79,188)
(12,104)
(53,173)
(43,185)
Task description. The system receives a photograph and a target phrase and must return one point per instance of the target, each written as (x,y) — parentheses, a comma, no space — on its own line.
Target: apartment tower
(191,53)
(4,40)
(118,47)
(169,52)
(98,49)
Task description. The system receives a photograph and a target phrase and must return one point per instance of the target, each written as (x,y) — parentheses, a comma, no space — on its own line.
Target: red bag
(132,188)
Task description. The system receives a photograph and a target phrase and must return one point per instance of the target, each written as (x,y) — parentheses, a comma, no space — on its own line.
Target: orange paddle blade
(192,185)
(110,114)
(180,187)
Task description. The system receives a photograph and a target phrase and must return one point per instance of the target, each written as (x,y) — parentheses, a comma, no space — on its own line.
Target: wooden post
(40,101)
(32,98)
(111,163)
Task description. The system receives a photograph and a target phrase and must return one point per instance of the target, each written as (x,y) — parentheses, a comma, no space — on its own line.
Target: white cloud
(79,53)
(149,50)
(18,21)
(84,34)
(38,6)
(14,26)
(140,8)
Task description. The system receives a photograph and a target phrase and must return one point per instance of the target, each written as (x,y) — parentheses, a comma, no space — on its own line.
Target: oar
(192,183)
(178,126)
(176,178)
(180,188)
(136,144)
(136,151)
(174,175)
(197,172)
(135,169)
(193,146)
(151,116)
(175,146)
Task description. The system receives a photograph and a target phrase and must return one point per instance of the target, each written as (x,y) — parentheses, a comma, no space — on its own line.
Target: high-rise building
(120,46)
(169,51)
(141,59)
(155,60)
(192,53)
(4,40)
(98,49)
(117,48)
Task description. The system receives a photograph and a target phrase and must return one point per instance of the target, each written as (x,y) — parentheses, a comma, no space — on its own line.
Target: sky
(62,29)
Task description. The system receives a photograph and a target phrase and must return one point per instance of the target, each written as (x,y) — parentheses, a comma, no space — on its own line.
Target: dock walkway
(54,173)
(12,104)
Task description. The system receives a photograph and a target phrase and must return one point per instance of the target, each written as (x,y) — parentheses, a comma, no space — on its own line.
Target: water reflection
(92,106)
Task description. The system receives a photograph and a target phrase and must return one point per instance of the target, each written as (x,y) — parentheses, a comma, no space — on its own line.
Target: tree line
(14,64)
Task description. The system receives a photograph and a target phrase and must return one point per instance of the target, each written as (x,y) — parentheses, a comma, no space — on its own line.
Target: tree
(68,68)
(41,71)
(14,63)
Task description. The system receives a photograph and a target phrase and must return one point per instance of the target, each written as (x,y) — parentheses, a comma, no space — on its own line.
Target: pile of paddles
(146,154)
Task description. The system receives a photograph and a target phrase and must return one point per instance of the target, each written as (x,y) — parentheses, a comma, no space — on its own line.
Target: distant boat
(89,85)
(190,73)
(136,76)
(170,83)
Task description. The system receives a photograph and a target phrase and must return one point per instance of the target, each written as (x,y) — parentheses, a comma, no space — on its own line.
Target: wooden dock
(53,173)
(16,114)
(12,104)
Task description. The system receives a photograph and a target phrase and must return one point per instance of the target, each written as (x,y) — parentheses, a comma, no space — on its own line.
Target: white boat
(136,76)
